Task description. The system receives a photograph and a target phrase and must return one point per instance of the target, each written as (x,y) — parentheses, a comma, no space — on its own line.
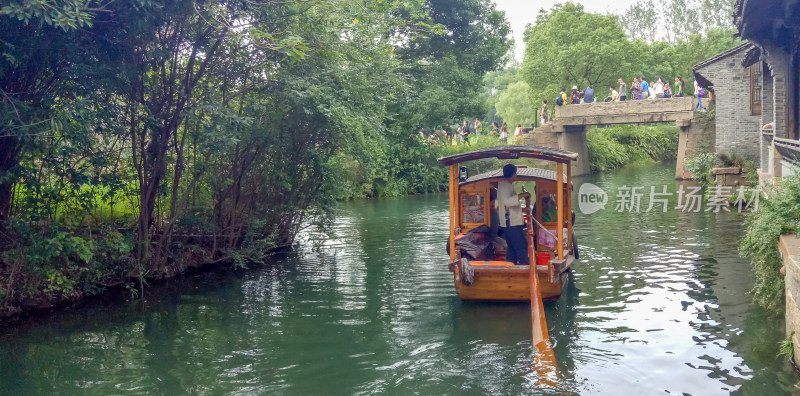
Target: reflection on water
(656,304)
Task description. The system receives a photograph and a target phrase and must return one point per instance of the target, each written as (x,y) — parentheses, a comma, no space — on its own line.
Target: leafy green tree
(474,40)
(715,14)
(675,20)
(37,65)
(161,57)
(697,48)
(475,33)
(682,20)
(659,59)
(515,107)
(445,67)
(568,46)
(640,21)
(494,83)
(501,79)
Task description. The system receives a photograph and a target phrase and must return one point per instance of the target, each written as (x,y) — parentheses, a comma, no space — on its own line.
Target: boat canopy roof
(512,152)
(522,174)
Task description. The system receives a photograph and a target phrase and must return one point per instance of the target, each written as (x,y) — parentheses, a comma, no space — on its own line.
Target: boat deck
(502,280)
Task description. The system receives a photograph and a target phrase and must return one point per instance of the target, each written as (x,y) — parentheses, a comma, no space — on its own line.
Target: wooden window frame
(756,88)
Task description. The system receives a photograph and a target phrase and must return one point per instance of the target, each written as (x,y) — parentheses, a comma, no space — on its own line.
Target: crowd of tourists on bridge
(640,89)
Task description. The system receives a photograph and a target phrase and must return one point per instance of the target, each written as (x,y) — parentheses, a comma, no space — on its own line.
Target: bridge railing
(627,112)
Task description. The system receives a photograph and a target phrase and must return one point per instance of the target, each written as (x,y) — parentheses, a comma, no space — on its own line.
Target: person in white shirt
(659,89)
(518,131)
(614,96)
(514,232)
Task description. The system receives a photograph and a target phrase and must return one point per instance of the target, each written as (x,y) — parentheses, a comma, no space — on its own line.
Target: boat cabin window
(549,208)
(472,208)
(547,200)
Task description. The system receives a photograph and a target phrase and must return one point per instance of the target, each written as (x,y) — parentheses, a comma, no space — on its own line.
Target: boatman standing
(508,200)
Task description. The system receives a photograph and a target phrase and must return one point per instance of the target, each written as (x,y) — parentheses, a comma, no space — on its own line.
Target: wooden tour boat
(551,253)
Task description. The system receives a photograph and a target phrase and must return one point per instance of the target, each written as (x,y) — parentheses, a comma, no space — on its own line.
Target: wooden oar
(546,365)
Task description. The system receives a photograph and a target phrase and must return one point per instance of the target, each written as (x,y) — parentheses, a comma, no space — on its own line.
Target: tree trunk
(9,153)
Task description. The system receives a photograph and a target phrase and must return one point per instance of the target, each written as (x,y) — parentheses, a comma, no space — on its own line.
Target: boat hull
(506,283)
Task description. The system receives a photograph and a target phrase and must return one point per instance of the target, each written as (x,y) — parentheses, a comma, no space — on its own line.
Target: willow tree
(515,107)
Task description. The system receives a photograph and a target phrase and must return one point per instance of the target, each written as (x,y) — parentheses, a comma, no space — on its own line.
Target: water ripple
(656,304)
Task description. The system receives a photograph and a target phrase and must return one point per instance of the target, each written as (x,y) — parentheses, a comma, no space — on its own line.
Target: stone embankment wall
(697,136)
(789,246)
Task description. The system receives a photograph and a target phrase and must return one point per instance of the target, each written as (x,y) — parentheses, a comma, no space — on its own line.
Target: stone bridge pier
(568,130)
(569,138)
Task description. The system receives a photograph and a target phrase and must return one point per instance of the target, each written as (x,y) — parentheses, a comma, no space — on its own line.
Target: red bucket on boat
(542,259)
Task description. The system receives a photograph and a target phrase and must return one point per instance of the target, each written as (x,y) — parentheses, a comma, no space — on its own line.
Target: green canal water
(657,304)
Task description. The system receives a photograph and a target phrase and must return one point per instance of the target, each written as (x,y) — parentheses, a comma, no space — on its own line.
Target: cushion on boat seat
(491,263)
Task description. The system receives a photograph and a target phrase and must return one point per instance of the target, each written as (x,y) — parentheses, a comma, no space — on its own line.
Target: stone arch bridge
(568,130)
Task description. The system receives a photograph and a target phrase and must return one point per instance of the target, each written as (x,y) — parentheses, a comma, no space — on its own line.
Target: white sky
(522,12)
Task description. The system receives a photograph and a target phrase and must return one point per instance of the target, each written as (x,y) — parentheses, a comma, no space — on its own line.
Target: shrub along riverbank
(74,256)
(776,215)
(417,170)
(614,146)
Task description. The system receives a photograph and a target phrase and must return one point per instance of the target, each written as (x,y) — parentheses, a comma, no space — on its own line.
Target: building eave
(697,69)
(741,47)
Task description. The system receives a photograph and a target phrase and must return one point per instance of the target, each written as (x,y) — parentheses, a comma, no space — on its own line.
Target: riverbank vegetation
(141,138)
(614,146)
(418,172)
(702,165)
(777,214)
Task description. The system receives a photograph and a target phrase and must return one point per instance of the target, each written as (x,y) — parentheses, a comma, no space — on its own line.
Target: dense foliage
(494,85)
(515,107)
(614,146)
(139,137)
(675,20)
(776,215)
(568,46)
(702,165)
